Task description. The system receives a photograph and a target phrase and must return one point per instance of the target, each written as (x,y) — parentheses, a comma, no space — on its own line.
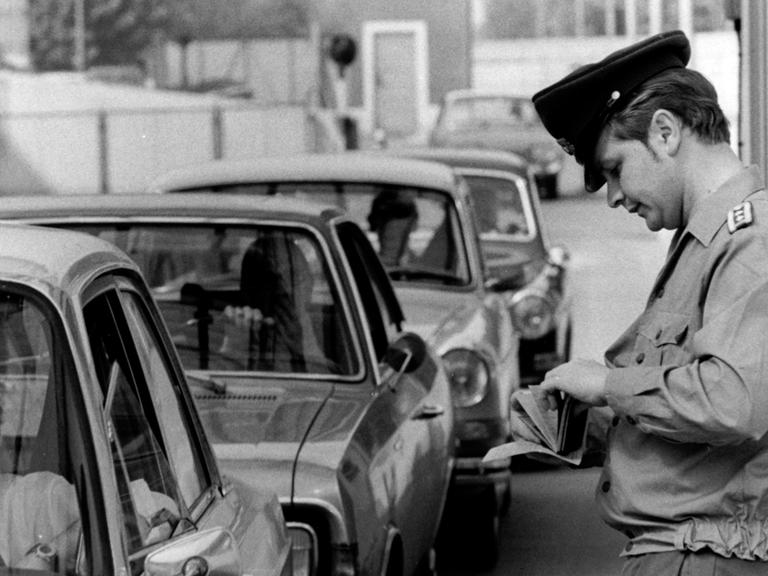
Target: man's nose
(615,196)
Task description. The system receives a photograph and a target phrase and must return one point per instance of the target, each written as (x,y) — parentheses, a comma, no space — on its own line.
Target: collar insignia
(740,216)
(569,148)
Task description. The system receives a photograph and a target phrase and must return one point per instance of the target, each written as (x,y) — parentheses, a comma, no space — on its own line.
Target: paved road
(553,528)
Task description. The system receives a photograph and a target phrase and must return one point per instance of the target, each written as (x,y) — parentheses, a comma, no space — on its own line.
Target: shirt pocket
(664,341)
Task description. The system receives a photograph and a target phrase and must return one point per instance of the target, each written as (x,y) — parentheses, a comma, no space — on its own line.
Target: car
(522,265)
(431,250)
(104,465)
(293,343)
(474,118)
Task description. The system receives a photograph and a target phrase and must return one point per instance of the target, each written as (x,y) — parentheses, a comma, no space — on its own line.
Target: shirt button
(615,421)
(640,357)
(606,486)
(631,420)
(629,546)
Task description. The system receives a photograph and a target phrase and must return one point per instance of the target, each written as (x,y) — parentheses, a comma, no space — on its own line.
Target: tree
(116,31)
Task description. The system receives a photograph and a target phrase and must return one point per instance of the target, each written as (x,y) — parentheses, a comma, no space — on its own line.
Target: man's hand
(582,379)
(243,316)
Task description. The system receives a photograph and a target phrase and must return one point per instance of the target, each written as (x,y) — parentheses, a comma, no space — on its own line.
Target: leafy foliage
(118,31)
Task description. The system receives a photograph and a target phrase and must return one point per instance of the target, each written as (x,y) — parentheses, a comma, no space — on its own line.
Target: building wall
(449,36)
(526,66)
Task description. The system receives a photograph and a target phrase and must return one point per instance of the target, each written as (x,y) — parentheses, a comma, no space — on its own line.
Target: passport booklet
(557,433)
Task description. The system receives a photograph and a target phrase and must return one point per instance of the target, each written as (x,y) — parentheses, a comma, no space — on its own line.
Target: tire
(470,524)
(487,534)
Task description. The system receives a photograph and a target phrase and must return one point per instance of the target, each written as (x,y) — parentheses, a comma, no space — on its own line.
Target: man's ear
(665,131)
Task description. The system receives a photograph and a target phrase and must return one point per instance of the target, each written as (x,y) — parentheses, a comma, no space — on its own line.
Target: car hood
(279,423)
(440,316)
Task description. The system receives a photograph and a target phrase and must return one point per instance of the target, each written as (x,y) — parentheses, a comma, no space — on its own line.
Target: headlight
(303,548)
(532,314)
(468,374)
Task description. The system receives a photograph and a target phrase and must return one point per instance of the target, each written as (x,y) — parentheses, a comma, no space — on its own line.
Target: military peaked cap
(575,109)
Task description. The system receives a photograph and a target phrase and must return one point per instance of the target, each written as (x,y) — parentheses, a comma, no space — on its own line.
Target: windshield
(38,500)
(242,298)
(502,207)
(416,232)
(468,111)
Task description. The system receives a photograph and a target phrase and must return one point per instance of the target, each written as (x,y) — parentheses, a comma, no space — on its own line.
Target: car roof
(477,158)
(365,167)
(87,206)
(53,259)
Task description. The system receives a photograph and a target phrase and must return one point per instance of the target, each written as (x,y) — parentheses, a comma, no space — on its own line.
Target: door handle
(429,411)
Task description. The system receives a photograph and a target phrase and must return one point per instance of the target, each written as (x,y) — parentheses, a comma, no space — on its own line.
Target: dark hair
(684,92)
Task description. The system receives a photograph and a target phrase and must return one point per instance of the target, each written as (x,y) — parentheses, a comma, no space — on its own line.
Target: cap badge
(615,95)
(740,216)
(567,146)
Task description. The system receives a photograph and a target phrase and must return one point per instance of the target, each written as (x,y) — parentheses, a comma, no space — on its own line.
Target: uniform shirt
(687,460)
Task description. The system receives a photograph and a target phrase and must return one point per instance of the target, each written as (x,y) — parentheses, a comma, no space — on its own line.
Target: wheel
(470,523)
(487,535)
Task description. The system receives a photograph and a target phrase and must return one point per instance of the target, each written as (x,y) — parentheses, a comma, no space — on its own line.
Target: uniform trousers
(703,563)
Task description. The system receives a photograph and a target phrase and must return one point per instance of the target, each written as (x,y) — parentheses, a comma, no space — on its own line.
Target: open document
(559,433)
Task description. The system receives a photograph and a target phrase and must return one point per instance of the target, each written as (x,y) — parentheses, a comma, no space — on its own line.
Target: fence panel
(121,151)
(253,132)
(141,145)
(49,154)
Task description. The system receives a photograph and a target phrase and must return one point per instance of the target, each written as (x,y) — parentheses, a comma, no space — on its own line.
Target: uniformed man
(686,471)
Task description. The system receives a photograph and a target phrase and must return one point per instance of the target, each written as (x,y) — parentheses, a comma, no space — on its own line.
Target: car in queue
(418,216)
(521,263)
(293,343)
(104,465)
(474,118)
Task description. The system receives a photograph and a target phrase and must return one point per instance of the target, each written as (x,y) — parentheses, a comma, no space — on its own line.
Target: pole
(79,35)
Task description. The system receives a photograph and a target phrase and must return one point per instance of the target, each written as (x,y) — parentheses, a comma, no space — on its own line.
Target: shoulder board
(740,216)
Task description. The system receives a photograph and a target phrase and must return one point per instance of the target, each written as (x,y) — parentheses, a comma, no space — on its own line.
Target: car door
(411,410)
(166,485)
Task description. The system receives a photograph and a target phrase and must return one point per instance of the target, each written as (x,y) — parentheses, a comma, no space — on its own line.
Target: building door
(395,73)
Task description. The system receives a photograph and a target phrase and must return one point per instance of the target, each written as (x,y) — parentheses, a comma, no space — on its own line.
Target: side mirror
(407,353)
(211,551)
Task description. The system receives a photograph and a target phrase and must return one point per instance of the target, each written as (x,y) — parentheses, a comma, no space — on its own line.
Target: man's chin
(652,224)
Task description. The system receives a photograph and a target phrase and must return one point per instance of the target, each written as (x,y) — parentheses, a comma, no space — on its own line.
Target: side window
(149,495)
(369,274)
(174,419)
(38,419)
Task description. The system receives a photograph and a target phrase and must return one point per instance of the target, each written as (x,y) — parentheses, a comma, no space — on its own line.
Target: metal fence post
(218,133)
(103,151)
